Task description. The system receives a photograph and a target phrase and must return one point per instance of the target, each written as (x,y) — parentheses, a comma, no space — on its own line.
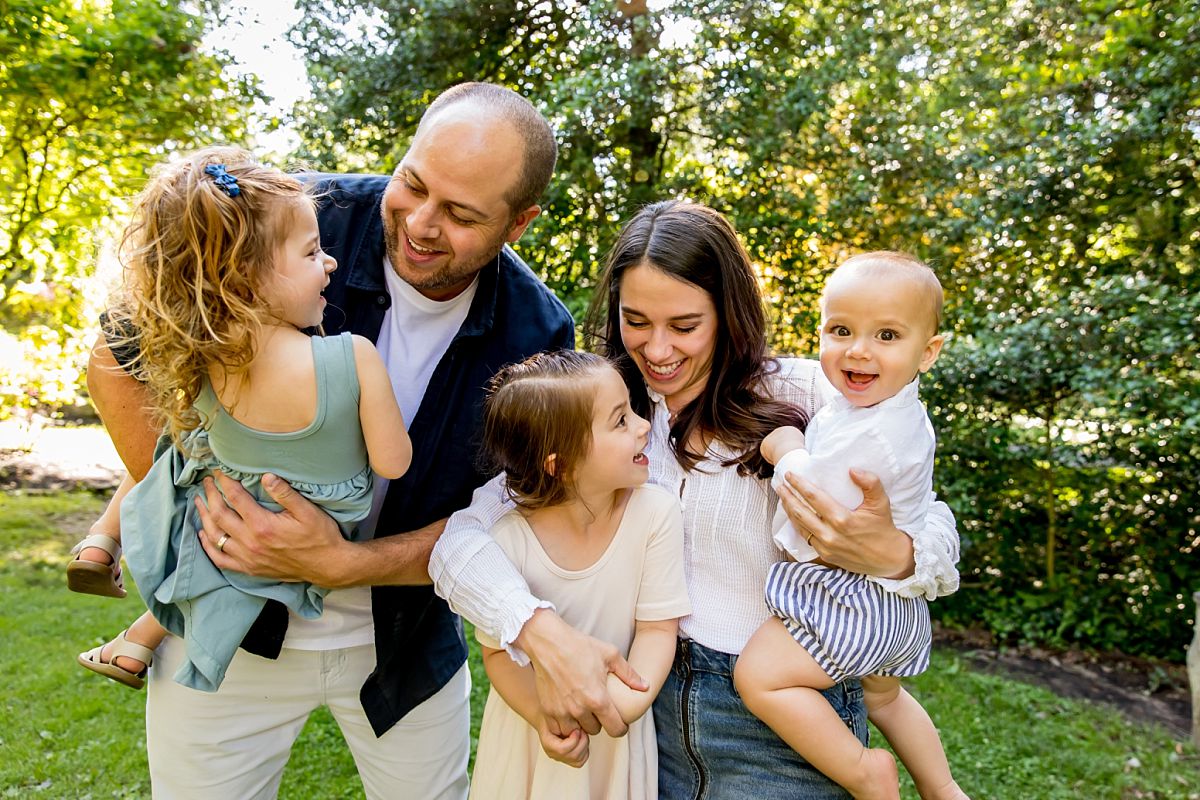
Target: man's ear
(521,222)
(933,349)
(550,464)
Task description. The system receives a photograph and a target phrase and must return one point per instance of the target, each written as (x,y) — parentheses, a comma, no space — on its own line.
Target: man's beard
(446,276)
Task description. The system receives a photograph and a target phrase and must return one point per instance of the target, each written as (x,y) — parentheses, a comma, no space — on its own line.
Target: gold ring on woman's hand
(225,538)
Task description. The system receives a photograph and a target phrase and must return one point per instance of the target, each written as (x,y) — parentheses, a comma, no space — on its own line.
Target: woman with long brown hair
(679,308)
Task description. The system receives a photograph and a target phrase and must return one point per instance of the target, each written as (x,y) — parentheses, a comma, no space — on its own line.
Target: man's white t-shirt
(415,334)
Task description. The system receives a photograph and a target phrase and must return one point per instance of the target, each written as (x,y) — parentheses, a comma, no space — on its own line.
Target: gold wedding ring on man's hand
(225,538)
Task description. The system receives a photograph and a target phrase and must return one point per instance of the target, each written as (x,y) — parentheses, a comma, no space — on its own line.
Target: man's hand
(295,544)
(864,540)
(571,749)
(571,672)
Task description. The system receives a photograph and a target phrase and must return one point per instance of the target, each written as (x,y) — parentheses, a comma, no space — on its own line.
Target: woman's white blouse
(727,539)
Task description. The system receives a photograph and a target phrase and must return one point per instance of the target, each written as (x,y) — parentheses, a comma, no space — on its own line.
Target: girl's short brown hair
(540,407)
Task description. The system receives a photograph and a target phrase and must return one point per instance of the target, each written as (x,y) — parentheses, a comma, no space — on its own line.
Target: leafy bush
(1068,449)
(40,369)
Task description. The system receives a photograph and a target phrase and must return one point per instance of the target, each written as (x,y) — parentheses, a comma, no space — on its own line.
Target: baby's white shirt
(892,439)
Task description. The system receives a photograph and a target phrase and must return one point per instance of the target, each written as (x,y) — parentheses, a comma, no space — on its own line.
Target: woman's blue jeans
(710,747)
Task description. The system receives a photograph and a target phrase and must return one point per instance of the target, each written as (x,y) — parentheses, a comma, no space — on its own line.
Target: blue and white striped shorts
(850,625)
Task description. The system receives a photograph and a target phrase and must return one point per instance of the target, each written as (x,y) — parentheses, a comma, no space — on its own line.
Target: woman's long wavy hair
(196,261)
(536,408)
(696,244)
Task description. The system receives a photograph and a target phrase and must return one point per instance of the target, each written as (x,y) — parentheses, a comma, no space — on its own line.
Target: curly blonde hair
(196,261)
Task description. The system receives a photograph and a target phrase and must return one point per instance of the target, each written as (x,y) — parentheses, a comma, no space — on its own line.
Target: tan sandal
(92,577)
(121,646)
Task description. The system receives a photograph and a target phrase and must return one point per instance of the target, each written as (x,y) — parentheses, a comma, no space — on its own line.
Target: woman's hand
(571,671)
(864,540)
(295,544)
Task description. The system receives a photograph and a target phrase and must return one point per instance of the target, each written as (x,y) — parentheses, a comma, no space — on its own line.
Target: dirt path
(59,458)
(1144,691)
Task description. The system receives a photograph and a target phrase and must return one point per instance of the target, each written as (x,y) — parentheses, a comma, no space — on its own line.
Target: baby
(880,314)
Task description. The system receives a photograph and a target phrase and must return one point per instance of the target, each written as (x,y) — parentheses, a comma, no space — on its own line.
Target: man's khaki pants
(233,745)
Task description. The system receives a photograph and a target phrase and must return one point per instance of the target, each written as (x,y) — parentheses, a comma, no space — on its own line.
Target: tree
(1068,445)
(94,93)
(1039,154)
(646,103)
(1010,144)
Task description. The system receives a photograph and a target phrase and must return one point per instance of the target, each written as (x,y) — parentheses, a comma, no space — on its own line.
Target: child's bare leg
(912,735)
(96,568)
(109,524)
(779,682)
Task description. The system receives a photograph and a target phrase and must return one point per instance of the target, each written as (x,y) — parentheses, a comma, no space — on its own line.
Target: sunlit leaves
(1038,154)
(93,94)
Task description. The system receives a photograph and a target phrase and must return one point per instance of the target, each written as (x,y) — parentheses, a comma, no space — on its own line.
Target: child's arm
(781,441)
(651,654)
(516,685)
(388,445)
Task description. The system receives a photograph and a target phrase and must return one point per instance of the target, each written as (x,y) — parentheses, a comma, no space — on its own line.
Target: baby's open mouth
(859,379)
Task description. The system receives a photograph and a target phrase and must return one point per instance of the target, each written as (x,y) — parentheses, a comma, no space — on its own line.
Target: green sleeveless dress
(326,461)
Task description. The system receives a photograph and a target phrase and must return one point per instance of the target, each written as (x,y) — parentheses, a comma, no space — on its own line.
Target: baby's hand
(780,442)
(571,749)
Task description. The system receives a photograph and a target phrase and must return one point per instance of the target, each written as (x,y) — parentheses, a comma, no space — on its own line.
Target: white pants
(234,744)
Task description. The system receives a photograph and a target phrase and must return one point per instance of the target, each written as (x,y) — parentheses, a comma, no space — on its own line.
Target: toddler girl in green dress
(224,273)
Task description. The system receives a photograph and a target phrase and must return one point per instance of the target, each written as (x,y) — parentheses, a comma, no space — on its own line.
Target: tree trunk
(1051,499)
(638,134)
(1193,667)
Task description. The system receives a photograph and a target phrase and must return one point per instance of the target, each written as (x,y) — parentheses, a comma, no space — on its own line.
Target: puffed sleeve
(935,550)
(472,573)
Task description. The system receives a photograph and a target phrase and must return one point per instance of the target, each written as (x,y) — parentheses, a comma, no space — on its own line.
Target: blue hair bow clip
(223,179)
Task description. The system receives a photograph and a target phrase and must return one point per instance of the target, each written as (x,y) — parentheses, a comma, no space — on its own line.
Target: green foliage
(1043,156)
(1017,147)
(631,94)
(40,368)
(1068,445)
(94,93)
(1006,739)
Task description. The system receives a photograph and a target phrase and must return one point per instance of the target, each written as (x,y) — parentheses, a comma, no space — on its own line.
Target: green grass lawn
(71,734)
